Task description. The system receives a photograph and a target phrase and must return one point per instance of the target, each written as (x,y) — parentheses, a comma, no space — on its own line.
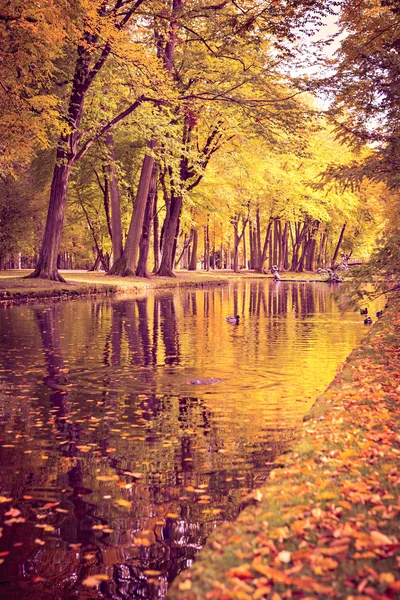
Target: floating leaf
(107,477)
(124,503)
(94,580)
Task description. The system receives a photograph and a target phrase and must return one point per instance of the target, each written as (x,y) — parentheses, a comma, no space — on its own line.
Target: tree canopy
(177,136)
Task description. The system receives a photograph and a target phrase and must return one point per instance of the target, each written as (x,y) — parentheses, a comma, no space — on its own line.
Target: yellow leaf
(386,578)
(125,503)
(40,542)
(94,580)
(328,495)
(185,585)
(141,542)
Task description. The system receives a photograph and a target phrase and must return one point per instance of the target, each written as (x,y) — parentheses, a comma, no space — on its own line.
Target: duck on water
(233,320)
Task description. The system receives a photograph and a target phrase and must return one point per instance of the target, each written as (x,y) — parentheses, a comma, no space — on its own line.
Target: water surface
(131,427)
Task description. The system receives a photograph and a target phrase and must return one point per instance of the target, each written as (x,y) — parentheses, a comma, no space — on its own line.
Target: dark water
(130,428)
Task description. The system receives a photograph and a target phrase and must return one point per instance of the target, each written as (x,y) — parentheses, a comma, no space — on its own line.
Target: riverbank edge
(15,288)
(325,525)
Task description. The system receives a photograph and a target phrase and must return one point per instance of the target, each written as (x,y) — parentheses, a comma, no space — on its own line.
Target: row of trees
(175,119)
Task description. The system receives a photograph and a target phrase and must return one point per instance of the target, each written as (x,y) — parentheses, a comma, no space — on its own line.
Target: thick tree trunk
(47,264)
(66,152)
(193,255)
(169,238)
(144,245)
(127,264)
(116,226)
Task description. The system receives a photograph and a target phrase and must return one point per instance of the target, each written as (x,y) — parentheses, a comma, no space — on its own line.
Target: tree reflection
(169,329)
(121,417)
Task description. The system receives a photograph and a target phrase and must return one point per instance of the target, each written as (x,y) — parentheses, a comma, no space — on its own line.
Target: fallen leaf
(94,580)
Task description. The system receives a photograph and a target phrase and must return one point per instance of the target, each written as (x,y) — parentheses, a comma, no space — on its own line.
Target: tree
(209,54)
(100,29)
(33,38)
(365,89)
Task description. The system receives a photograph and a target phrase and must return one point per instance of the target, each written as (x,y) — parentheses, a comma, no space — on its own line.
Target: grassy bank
(327,523)
(15,287)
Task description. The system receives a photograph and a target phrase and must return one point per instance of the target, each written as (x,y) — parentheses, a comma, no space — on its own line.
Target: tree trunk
(127,264)
(206,248)
(116,226)
(169,238)
(253,246)
(320,259)
(258,238)
(284,262)
(66,152)
(99,251)
(47,264)
(106,198)
(193,256)
(298,240)
(335,255)
(144,245)
(228,257)
(184,254)
(263,254)
(156,237)
(277,241)
(244,247)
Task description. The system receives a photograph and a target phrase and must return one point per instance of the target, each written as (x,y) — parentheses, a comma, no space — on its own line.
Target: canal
(131,427)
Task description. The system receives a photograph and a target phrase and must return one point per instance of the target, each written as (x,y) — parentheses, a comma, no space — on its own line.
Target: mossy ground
(327,524)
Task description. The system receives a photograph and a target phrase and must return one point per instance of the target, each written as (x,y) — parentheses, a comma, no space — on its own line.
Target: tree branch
(111,124)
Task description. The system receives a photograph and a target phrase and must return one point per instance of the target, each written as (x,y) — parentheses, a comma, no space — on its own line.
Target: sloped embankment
(328,522)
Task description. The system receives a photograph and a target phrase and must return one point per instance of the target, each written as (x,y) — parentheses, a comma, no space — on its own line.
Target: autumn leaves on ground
(326,524)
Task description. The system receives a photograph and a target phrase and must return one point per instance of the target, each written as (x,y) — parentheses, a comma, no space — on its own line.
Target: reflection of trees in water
(169,329)
(190,303)
(144,332)
(75,526)
(135,335)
